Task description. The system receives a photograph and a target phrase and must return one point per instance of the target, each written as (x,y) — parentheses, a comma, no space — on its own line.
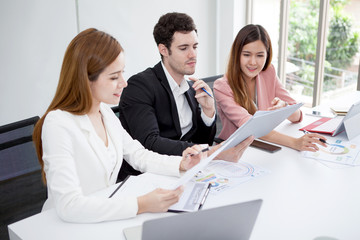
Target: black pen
(122,183)
(205,196)
(320,139)
(203,150)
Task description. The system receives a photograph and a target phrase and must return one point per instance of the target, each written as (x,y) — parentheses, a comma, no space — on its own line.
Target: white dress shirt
(182,105)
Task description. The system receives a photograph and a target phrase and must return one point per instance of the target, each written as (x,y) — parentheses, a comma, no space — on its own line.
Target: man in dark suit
(160,108)
(148,111)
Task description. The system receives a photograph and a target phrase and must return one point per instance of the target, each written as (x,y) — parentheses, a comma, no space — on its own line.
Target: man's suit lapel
(159,72)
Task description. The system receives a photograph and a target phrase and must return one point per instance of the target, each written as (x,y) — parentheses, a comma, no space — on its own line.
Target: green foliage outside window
(342,45)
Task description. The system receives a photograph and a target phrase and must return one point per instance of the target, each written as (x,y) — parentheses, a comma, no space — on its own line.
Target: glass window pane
(301,56)
(342,50)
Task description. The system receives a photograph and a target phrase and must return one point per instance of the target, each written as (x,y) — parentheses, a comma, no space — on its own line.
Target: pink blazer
(233,115)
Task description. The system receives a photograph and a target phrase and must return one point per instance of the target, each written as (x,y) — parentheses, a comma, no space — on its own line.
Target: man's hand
(232,154)
(207,102)
(191,156)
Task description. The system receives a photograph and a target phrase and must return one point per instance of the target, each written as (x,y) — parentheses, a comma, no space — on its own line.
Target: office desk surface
(303,199)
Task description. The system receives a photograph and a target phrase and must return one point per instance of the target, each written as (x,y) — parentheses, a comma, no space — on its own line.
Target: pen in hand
(203,150)
(207,92)
(320,139)
(195,80)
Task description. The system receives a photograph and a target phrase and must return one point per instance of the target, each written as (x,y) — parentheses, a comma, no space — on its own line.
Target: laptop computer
(335,125)
(234,221)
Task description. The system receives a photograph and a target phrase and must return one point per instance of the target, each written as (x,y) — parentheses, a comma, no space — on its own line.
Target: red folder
(310,127)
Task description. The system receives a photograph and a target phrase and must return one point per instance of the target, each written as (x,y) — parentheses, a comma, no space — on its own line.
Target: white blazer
(76,166)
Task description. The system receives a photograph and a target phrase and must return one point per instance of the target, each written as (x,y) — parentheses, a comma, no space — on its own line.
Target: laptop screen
(234,221)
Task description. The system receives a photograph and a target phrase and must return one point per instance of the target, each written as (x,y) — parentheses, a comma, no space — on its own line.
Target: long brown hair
(249,33)
(87,55)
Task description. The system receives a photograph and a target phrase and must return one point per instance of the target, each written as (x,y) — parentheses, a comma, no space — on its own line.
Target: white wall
(132,23)
(263,8)
(231,15)
(35,34)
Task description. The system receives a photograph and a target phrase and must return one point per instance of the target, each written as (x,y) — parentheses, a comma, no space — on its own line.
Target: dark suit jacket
(148,112)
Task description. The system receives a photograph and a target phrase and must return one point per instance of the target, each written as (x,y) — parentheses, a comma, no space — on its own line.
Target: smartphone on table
(265,146)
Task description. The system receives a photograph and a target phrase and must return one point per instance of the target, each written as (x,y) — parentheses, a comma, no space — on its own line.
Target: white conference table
(302,199)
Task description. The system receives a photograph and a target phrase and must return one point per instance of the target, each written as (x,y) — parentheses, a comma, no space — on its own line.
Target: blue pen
(207,92)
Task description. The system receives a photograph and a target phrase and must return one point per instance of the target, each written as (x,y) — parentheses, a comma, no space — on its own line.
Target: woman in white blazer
(81,144)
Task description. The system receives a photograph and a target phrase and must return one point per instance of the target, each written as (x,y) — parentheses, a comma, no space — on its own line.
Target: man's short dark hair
(170,23)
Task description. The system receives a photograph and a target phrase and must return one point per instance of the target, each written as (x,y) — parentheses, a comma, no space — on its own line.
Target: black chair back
(21,189)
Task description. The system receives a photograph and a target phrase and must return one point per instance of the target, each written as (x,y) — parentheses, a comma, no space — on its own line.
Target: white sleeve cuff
(207,120)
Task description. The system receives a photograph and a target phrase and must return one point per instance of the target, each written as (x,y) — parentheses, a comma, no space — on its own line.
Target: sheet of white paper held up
(258,125)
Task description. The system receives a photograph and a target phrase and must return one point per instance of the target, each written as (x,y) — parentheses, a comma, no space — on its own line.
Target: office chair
(210,81)
(116,110)
(21,188)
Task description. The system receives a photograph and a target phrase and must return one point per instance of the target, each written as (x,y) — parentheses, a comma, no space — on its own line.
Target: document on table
(340,151)
(258,125)
(223,175)
(192,199)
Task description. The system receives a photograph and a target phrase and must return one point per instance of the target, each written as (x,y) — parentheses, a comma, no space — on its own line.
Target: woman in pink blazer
(251,84)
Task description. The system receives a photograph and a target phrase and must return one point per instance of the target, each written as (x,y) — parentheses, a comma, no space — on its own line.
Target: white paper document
(223,175)
(189,174)
(338,151)
(258,125)
(261,124)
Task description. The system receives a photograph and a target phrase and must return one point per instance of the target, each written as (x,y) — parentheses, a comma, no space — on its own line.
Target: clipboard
(192,199)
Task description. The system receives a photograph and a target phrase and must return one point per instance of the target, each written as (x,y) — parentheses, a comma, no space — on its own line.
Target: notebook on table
(335,125)
(234,221)
(340,110)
